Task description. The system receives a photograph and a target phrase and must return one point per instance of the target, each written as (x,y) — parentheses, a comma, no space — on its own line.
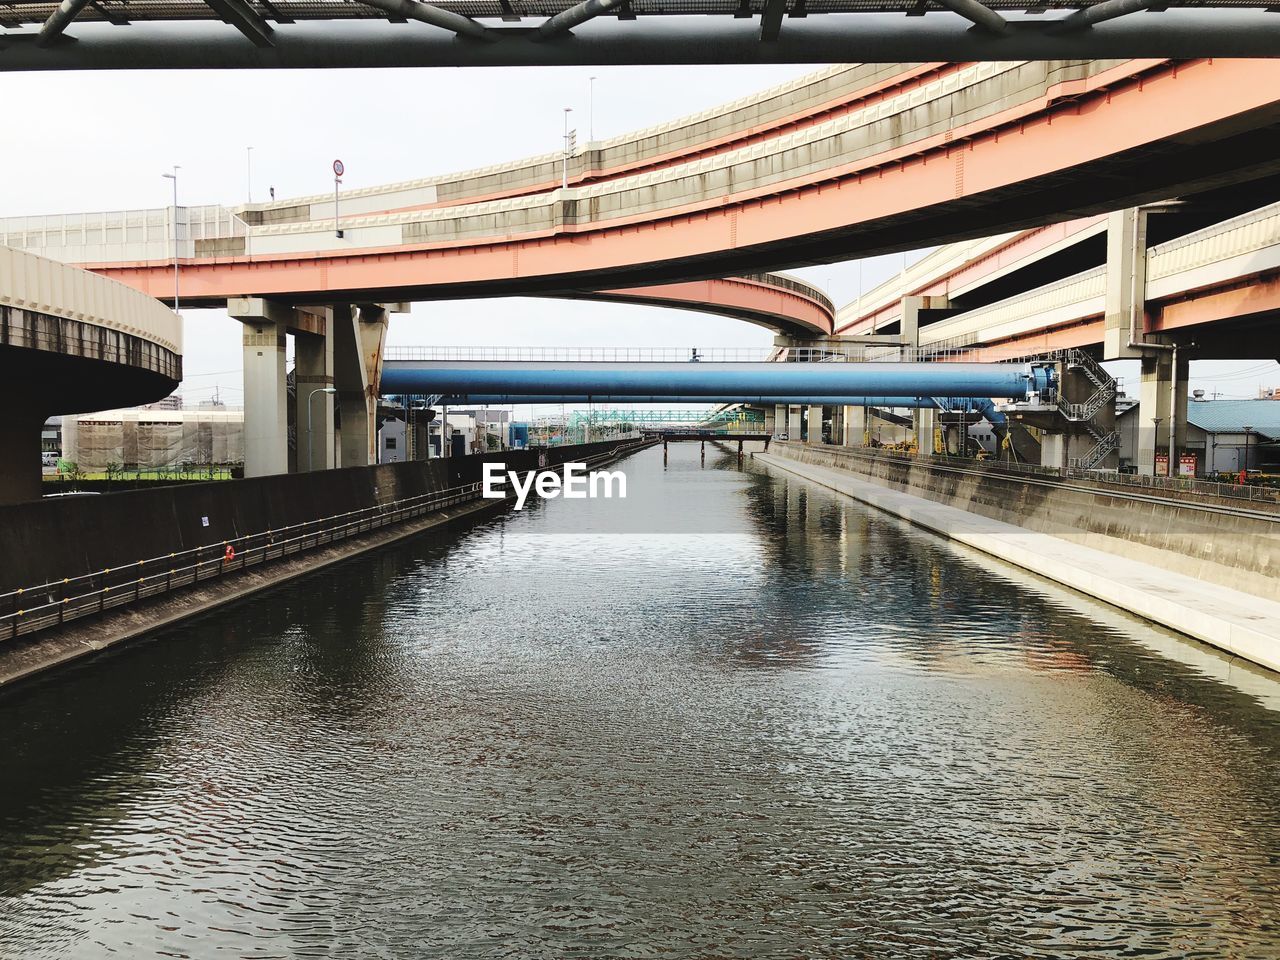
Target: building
(150,439)
(1216,437)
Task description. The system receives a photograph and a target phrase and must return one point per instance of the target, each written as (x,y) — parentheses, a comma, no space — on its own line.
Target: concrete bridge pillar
(926,421)
(1126,283)
(313,409)
(358,339)
(779,419)
(795,423)
(1162,394)
(266,440)
(855,426)
(20,471)
(815,425)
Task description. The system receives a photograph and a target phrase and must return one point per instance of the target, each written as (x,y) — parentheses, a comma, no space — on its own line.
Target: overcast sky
(100,141)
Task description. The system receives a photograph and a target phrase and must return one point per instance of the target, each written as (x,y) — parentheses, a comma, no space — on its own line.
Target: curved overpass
(72,342)
(776,301)
(987,148)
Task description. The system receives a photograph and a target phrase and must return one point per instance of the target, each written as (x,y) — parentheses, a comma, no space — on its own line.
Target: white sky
(100,141)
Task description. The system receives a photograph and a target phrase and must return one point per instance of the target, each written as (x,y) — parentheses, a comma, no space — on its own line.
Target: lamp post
(1155,440)
(591,110)
(177,306)
(1248,429)
(310,445)
(564,160)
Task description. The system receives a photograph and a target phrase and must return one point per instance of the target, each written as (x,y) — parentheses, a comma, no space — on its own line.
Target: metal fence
(1253,495)
(56,602)
(51,604)
(818,351)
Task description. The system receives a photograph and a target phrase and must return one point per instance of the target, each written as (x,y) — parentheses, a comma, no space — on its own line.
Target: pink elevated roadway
(976,150)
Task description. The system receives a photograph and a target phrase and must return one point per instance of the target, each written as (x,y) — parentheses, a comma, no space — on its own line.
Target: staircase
(1104,387)
(1105,442)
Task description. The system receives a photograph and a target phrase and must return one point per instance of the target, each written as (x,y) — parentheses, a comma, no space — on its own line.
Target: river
(735,715)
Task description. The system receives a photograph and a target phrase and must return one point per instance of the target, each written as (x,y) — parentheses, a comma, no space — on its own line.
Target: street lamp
(591,110)
(564,160)
(177,307)
(1155,441)
(310,444)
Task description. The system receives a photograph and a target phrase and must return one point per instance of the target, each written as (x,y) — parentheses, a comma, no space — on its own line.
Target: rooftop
(1231,416)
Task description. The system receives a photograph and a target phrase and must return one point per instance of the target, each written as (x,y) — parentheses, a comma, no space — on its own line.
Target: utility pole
(248,173)
(564,165)
(177,305)
(591,110)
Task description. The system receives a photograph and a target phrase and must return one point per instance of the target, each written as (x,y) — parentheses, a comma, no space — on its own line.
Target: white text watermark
(577,483)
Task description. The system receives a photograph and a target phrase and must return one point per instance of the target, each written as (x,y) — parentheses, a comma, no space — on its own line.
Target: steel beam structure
(1179,33)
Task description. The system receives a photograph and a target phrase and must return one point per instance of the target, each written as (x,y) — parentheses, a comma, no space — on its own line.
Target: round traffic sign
(338,168)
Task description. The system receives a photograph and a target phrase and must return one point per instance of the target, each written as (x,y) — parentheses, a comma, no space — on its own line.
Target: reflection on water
(814,732)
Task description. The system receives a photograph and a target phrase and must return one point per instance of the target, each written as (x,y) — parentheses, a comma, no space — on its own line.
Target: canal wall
(1241,623)
(87,534)
(1235,546)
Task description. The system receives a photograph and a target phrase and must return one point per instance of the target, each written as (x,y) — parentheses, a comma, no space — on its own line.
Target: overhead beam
(59,20)
(1179,33)
(115,17)
(1100,12)
(437,17)
(771,20)
(244,18)
(566,20)
(978,13)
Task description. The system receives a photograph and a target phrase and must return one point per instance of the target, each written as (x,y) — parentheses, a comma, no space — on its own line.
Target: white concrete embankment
(1239,623)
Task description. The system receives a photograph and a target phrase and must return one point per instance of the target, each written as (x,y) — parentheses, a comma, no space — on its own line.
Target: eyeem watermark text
(577,484)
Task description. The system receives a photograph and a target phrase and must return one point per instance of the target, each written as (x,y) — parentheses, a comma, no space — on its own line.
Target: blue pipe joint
(1042,380)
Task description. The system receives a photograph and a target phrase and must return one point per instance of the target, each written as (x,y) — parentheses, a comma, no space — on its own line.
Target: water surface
(778,724)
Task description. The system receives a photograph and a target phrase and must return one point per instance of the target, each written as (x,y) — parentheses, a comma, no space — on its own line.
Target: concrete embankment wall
(1230,549)
(70,536)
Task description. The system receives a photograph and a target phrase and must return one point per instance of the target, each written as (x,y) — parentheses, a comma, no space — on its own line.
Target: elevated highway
(69,338)
(982,149)
(849,162)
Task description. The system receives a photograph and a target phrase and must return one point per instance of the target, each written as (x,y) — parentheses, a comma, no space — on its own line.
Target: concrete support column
(266,440)
(926,420)
(815,425)
(358,339)
(779,419)
(313,372)
(837,425)
(855,426)
(795,423)
(1126,283)
(1163,393)
(20,472)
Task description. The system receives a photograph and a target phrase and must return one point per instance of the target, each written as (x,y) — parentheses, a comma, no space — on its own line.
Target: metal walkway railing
(54,603)
(51,604)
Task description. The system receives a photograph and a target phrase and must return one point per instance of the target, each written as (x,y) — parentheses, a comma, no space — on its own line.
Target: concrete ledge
(1245,625)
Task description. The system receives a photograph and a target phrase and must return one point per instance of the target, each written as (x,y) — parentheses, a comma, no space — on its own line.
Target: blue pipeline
(508,398)
(708,380)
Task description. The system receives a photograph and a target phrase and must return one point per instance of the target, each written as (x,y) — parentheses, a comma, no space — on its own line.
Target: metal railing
(817,351)
(785,281)
(52,604)
(1254,495)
